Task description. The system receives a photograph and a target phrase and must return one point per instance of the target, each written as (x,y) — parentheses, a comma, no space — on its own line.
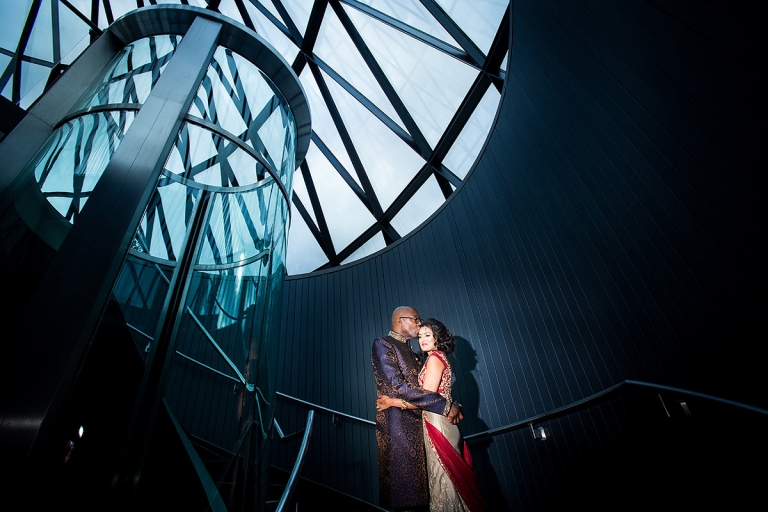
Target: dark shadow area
(80,456)
(24,258)
(702,455)
(171,480)
(726,353)
(644,449)
(10,115)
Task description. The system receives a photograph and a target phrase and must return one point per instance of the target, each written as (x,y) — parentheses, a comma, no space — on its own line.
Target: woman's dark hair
(443,337)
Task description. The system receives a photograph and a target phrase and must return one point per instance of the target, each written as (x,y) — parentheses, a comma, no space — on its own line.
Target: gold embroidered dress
(452,482)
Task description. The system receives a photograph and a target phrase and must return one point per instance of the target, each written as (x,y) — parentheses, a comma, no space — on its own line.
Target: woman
(452,482)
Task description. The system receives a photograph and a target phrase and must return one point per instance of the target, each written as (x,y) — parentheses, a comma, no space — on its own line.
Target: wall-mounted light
(70,446)
(539,433)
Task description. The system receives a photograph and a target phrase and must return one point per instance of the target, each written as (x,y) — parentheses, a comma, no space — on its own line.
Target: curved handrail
(555,413)
(579,404)
(700,395)
(325,409)
(293,478)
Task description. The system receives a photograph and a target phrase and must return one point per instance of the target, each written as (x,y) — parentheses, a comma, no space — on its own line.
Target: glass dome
(402,93)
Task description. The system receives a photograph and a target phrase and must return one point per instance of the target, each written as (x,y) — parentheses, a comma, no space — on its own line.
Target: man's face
(410,321)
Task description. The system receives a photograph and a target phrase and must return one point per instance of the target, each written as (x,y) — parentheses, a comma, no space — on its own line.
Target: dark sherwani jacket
(402,460)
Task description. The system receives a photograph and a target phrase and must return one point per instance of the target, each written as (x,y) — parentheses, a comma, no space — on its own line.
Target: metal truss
(358,178)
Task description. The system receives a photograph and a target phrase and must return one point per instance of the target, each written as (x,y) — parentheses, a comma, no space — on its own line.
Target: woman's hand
(384,402)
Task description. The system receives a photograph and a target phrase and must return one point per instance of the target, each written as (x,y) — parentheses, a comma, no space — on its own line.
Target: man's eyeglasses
(414,318)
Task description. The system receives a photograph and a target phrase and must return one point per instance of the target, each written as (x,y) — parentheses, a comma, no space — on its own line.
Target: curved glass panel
(228,333)
(75,156)
(165,222)
(209,158)
(231,326)
(133,72)
(140,290)
(144,282)
(239,98)
(240,225)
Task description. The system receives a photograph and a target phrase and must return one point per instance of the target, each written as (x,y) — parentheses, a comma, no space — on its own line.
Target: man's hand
(455,415)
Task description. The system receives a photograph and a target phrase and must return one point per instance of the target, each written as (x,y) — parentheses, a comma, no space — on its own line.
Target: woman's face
(427,339)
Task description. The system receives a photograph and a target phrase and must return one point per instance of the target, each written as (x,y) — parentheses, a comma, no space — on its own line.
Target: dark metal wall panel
(610,231)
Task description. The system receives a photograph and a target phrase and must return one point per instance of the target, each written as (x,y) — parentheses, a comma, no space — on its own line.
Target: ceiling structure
(403,94)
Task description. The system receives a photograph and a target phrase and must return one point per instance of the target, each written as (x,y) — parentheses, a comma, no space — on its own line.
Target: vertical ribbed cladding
(610,231)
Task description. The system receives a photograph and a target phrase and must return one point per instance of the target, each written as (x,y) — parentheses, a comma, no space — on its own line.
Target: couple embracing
(423,462)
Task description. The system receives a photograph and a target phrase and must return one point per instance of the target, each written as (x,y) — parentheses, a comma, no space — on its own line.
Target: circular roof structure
(402,93)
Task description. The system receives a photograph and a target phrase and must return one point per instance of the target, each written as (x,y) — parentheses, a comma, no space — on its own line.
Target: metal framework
(312,210)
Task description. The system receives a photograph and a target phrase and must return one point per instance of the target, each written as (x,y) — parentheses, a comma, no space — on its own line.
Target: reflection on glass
(208,158)
(140,290)
(229,333)
(133,72)
(75,156)
(165,222)
(143,283)
(239,98)
(229,327)
(240,225)
(230,320)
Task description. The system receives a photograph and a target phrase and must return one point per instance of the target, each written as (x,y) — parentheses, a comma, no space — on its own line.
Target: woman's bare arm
(433,374)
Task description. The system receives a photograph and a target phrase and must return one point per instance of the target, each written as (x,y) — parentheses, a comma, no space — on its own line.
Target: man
(402,460)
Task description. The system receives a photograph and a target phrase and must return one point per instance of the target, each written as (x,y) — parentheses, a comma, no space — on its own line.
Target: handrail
(700,395)
(215,501)
(579,404)
(326,409)
(555,413)
(293,478)
(283,437)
